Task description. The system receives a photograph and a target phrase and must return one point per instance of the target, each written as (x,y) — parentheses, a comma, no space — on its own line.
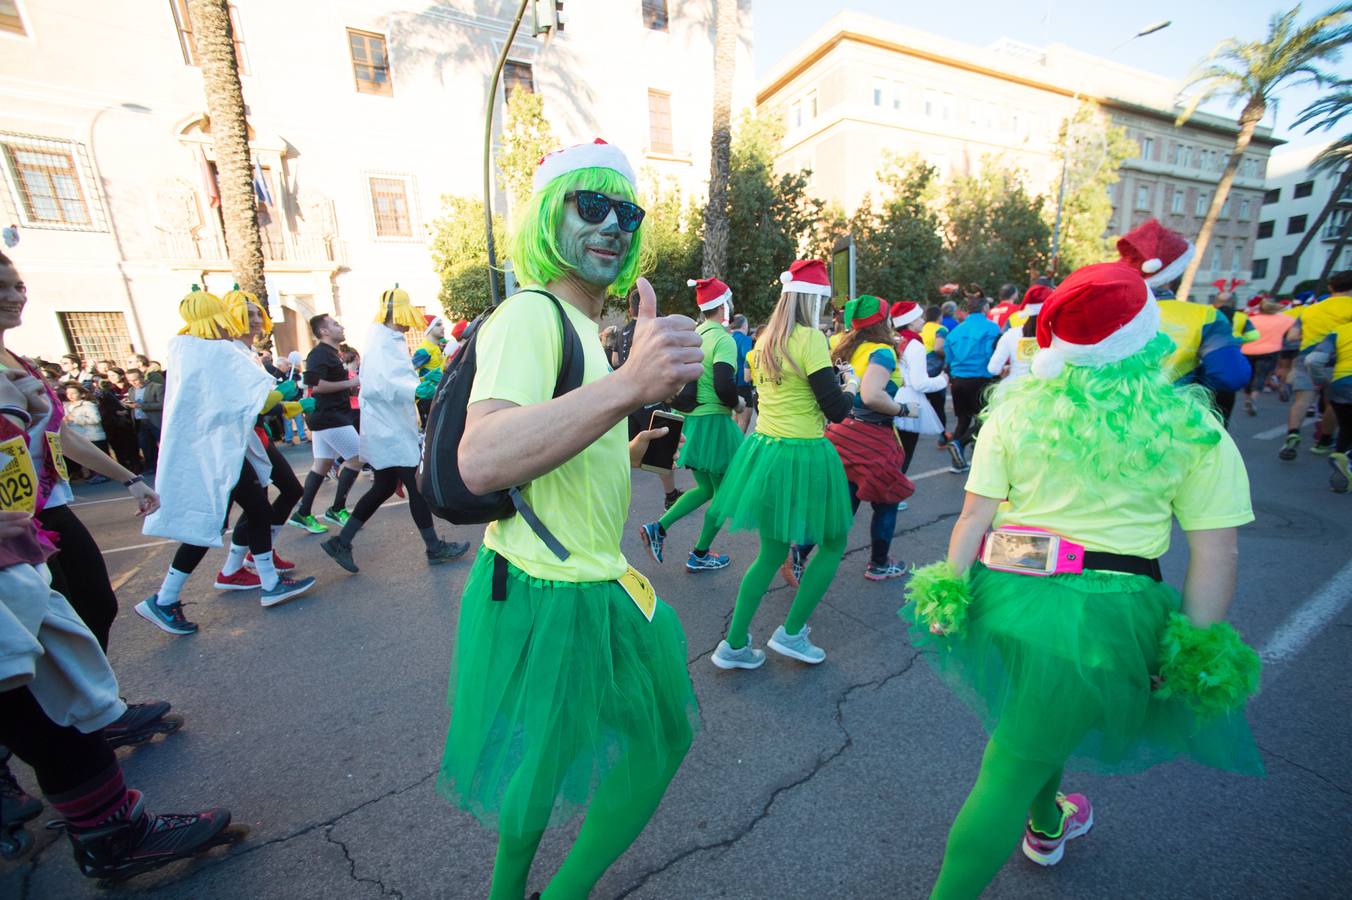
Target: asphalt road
(320,724)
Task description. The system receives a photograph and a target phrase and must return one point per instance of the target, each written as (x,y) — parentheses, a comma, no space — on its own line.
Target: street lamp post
(1065,157)
(488,153)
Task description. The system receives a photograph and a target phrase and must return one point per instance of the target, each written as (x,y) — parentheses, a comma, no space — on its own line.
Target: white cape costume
(389,416)
(213,393)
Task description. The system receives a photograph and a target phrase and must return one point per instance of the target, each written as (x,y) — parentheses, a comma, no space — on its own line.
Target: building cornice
(1202,121)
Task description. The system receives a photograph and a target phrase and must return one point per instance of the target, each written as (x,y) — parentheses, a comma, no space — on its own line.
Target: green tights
(706,485)
(620,808)
(1008,789)
(816,579)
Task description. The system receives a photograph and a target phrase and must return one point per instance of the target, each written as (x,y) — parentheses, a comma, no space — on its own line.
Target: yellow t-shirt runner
(788,408)
(718,347)
(585,501)
(1318,319)
(1111,518)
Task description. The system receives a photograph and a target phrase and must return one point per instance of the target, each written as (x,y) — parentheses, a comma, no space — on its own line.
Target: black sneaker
(140,723)
(671,499)
(445,551)
(959,462)
(1288,452)
(341,551)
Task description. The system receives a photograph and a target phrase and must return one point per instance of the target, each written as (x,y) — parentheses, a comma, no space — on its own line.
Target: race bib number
(18,478)
(640,591)
(58,458)
(1025,350)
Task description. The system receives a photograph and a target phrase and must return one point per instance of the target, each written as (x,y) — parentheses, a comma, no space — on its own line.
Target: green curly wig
(534,247)
(1210,669)
(1126,421)
(941,596)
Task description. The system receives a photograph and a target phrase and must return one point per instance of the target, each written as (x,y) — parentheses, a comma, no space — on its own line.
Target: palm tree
(716,211)
(1329,110)
(215,45)
(1291,54)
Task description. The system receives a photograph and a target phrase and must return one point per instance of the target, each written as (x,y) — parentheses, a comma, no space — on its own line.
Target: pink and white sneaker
(1077,817)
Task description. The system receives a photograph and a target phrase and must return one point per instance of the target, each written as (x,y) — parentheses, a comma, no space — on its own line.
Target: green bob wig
(534,247)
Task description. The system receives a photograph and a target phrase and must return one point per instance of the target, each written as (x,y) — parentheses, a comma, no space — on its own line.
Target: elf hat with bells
(237,304)
(206,316)
(396,308)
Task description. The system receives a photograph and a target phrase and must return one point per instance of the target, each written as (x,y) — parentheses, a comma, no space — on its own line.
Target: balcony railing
(314,241)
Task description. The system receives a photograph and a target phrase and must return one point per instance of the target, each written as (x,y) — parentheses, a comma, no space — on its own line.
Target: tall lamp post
(1065,158)
(488,150)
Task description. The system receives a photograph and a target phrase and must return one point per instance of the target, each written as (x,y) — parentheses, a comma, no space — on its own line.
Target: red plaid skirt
(873,457)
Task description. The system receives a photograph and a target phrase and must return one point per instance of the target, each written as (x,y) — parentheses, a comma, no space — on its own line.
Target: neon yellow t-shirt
(718,347)
(585,501)
(1113,517)
(788,409)
(929,331)
(1184,322)
(1318,319)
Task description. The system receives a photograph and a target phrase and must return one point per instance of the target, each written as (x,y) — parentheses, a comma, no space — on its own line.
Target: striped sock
(101,799)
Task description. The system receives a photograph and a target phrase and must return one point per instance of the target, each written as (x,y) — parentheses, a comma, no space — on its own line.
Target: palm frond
(1329,109)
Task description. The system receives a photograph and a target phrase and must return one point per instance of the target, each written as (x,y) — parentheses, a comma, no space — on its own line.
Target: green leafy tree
(994,230)
(1094,151)
(674,248)
(460,255)
(526,137)
(1291,53)
(771,217)
(898,247)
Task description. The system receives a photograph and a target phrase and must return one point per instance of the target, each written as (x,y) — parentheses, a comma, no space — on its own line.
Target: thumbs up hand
(665,354)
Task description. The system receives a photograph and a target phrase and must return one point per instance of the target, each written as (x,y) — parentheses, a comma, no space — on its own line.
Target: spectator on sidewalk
(82,415)
(145,399)
(118,427)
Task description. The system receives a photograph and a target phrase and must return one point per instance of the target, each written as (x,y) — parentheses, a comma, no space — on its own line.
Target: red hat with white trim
(1034,297)
(710,293)
(807,276)
(1101,314)
(596,155)
(904,312)
(459,328)
(1156,253)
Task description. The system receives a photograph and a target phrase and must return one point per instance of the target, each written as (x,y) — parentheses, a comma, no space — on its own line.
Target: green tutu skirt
(1059,668)
(710,442)
(554,690)
(791,490)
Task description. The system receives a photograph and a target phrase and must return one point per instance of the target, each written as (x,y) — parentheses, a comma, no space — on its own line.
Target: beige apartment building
(362,114)
(862,88)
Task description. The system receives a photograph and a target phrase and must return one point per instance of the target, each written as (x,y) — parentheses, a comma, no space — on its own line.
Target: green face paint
(594,252)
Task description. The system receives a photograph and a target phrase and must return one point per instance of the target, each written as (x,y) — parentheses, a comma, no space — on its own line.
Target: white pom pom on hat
(1048,363)
(1151,266)
(690,282)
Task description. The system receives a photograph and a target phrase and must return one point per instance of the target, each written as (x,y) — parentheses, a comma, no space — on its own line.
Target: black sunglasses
(593,207)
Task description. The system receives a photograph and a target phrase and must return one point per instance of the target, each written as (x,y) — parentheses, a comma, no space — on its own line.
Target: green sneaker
(338,517)
(1288,452)
(1322,447)
(1341,478)
(309,523)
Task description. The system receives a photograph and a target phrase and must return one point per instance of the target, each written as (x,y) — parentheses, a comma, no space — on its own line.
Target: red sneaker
(243,580)
(280,564)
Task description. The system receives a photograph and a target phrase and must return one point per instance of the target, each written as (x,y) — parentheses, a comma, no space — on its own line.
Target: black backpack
(439,478)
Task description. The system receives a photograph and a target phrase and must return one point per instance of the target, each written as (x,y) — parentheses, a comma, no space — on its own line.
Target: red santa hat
(807,276)
(458,329)
(1158,254)
(1034,297)
(596,155)
(1101,314)
(904,312)
(710,293)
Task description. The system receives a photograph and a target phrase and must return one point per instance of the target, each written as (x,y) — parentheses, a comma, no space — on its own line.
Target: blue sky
(1094,27)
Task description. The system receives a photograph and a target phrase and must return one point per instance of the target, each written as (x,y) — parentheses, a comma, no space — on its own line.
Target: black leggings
(968,400)
(79,573)
(1344,413)
(63,758)
(383,488)
(288,495)
(252,498)
(908,441)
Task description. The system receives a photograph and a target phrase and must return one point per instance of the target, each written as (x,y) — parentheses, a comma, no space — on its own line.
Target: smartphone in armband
(661,453)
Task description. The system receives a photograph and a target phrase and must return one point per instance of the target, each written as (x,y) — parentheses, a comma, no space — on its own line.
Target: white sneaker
(746,658)
(796,646)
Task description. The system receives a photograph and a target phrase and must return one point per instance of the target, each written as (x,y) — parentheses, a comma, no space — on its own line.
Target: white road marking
(1306,622)
(1270,434)
(94,502)
(930,474)
(138,546)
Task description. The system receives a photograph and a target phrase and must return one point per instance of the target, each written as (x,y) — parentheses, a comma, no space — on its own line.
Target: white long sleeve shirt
(914,372)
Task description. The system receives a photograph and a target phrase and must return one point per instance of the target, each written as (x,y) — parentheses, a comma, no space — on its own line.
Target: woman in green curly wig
(1057,627)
